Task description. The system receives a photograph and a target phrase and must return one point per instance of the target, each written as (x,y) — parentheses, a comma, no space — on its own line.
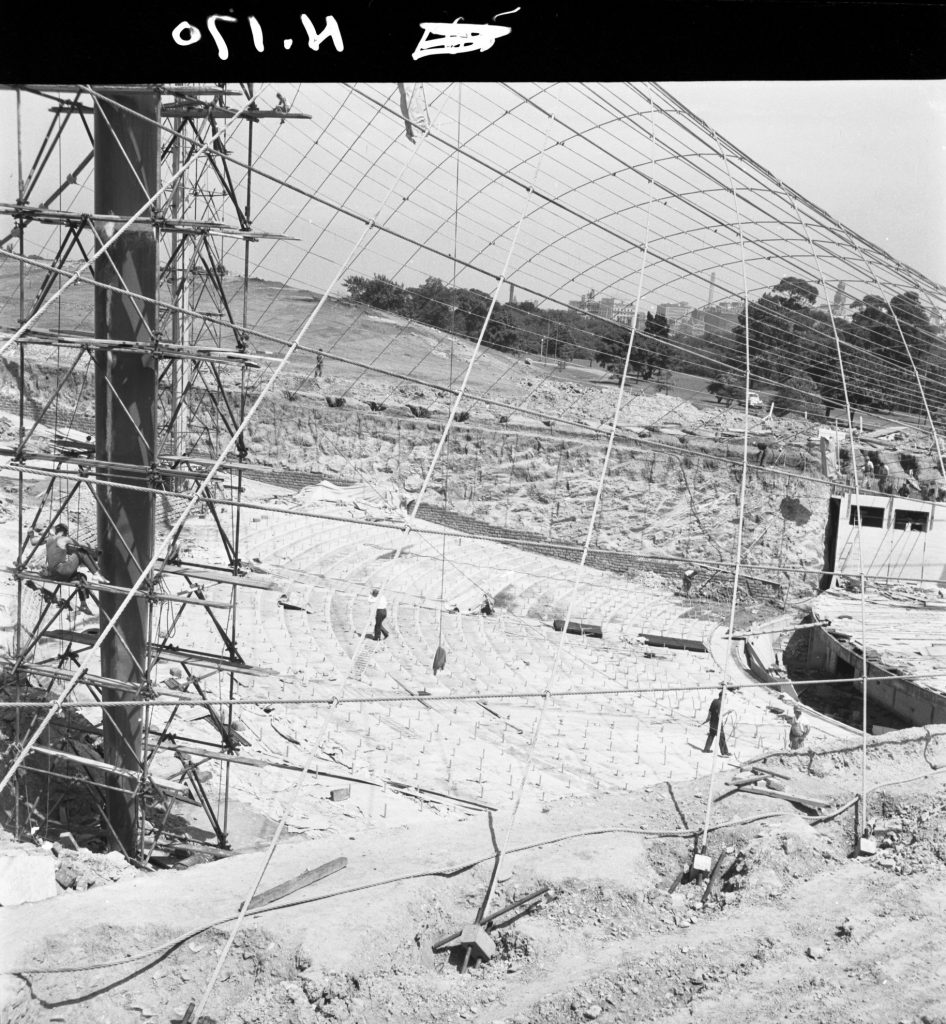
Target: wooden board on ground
(582,628)
(299,882)
(676,643)
(805,801)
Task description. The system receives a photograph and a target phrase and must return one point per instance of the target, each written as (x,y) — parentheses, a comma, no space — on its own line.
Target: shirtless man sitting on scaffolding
(64,556)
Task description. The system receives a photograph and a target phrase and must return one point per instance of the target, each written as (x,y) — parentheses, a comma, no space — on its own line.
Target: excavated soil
(796,928)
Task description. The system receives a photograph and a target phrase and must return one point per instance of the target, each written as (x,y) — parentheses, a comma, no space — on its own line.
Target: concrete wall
(889,553)
(911,701)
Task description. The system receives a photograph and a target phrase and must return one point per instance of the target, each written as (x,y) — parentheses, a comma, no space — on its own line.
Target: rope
(717,739)
(571,601)
(482,399)
(447,872)
(521,542)
(451,697)
(860,543)
(345,682)
(406,532)
(698,277)
(453,326)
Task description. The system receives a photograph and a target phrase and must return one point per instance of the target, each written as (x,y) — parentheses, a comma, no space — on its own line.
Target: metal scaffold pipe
(126,173)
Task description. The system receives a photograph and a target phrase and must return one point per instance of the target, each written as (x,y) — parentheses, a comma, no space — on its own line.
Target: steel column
(126,174)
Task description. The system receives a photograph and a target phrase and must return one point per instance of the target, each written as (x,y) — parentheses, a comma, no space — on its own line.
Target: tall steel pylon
(162,333)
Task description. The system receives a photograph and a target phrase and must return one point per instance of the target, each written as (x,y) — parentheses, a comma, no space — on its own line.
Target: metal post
(177,269)
(180,321)
(126,173)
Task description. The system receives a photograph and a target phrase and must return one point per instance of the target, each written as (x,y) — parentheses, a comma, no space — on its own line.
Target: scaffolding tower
(164,332)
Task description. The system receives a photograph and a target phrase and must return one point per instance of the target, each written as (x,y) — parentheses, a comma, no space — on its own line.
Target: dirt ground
(796,928)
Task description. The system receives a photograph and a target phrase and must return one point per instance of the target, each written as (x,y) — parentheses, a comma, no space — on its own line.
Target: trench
(840,700)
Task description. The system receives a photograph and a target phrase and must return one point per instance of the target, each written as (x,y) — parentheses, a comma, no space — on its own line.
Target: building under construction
(367,552)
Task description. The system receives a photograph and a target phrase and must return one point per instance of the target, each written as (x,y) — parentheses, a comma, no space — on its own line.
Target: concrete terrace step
(597,741)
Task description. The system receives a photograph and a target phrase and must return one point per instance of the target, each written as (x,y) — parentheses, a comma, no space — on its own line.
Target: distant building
(895,536)
(721,319)
(624,314)
(839,305)
(604,306)
(680,316)
(674,311)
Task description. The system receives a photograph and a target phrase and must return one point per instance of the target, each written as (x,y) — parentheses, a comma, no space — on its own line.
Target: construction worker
(380,614)
(64,556)
(687,582)
(712,717)
(797,733)
(176,680)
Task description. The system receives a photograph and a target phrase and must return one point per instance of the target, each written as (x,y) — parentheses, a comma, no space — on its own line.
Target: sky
(872,154)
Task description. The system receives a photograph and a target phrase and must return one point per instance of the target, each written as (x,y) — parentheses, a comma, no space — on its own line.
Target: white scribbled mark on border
(331,31)
(193,34)
(223,51)
(452,37)
(257,31)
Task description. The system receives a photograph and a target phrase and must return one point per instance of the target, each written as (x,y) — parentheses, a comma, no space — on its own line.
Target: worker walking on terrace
(380,614)
(712,717)
(63,559)
(798,733)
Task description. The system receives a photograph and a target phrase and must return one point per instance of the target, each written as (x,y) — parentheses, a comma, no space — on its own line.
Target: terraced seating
(649,729)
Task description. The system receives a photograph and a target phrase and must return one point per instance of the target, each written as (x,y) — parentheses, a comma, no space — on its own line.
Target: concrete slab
(27,876)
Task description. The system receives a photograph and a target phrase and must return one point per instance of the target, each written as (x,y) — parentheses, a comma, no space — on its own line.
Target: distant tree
(845,344)
(911,326)
(726,387)
(471,309)
(650,352)
(611,343)
(500,336)
(777,326)
(797,394)
(565,329)
(875,345)
(796,293)
(379,291)
(431,303)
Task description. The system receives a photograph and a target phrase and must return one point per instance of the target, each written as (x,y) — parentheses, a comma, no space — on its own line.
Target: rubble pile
(82,869)
(911,838)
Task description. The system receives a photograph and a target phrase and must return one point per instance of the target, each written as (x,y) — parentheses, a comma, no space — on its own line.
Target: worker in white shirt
(380,614)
